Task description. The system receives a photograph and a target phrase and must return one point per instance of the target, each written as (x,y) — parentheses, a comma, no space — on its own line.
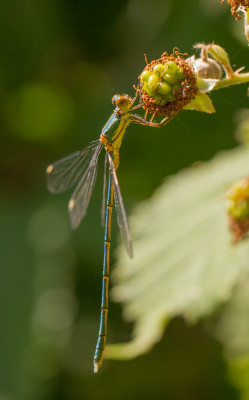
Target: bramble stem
(234,80)
(246,11)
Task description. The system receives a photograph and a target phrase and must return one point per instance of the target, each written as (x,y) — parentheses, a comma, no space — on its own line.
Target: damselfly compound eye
(114,99)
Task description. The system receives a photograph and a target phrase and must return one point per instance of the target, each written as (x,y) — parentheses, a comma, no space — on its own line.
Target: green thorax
(115,127)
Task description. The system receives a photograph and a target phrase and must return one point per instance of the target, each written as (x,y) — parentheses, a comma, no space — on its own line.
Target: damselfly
(79,170)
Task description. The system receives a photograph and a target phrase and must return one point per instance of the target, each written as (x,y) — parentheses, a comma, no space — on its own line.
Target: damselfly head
(122,102)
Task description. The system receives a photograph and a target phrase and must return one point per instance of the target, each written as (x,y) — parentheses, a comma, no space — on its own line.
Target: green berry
(164,88)
(175,88)
(158,69)
(170,97)
(180,76)
(160,101)
(171,67)
(152,82)
(170,79)
(145,75)
(145,87)
(149,92)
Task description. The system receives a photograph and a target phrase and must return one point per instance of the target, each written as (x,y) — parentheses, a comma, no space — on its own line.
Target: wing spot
(50,169)
(71,204)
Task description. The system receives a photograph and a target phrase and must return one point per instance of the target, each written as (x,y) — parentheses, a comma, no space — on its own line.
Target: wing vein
(120,209)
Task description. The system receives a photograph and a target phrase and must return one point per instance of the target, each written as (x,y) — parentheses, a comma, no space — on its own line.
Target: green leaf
(201,103)
(185,263)
(242,131)
(219,54)
(232,327)
(232,330)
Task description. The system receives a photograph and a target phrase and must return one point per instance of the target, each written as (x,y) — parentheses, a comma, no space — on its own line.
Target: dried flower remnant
(206,67)
(167,84)
(238,209)
(221,57)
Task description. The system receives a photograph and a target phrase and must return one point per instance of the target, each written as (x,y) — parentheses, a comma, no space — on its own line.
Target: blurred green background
(60,64)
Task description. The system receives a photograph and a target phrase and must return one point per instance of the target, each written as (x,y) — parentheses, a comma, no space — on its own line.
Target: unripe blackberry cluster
(167,84)
(238,208)
(163,82)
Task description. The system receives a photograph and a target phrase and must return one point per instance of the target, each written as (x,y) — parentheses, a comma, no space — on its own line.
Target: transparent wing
(121,214)
(79,201)
(103,207)
(66,173)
